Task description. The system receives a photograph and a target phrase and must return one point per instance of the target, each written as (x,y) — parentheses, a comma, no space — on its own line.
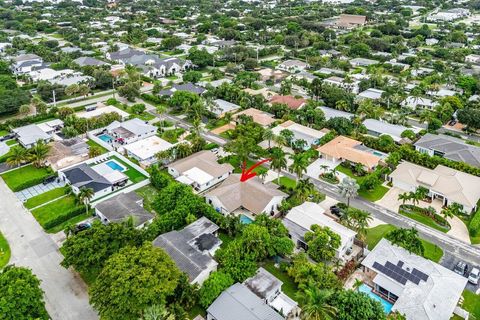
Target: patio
(28,193)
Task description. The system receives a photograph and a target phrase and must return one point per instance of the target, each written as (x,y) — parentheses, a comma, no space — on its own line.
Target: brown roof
(351,20)
(344,148)
(204,160)
(290,101)
(252,194)
(260,117)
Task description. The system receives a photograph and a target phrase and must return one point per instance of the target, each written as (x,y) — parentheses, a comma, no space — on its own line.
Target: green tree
(192,76)
(94,151)
(299,164)
(85,195)
(348,189)
(22,297)
(157,312)
(322,243)
(407,239)
(18,155)
(278,161)
(353,305)
(306,273)
(216,283)
(315,304)
(132,280)
(38,153)
(303,189)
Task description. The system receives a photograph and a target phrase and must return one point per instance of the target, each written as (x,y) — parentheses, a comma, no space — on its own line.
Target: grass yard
(11,142)
(92,143)
(17,178)
(3,133)
(52,210)
(286,182)
(424,220)
(375,234)
(172,135)
(131,173)
(236,163)
(4,251)
(289,287)
(45,197)
(148,193)
(226,239)
(72,221)
(372,195)
(471,303)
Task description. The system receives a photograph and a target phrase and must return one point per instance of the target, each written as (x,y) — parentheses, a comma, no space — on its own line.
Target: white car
(474,276)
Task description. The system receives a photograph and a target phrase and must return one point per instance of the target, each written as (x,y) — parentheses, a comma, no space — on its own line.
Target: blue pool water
(115,166)
(105,137)
(387,306)
(245,220)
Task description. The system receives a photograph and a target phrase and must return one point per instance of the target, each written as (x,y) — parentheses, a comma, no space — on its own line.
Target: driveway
(459,229)
(31,192)
(66,295)
(315,168)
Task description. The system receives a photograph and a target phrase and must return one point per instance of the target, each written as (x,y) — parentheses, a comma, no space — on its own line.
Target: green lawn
(424,220)
(72,221)
(45,197)
(289,287)
(236,163)
(11,142)
(92,143)
(226,239)
(286,182)
(4,251)
(172,135)
(131,173)
(375,234)
(471,303)
(50,211)
(3,133)
(15,179)
(373,195)
(148,193)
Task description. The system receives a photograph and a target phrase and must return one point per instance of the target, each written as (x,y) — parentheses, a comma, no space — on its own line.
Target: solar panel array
(397,273)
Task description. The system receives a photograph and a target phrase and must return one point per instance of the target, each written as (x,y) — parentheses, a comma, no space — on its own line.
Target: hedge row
(64,217)
(30,183)
(410,208)
(474,225)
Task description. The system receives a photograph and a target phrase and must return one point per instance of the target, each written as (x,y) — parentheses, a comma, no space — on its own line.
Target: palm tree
(357,284)
(268,135)
(348,189)
(299,165)
(182,150)
(278,161)
(324,168)
(452,210)
(316,305)
(304,189)
(18,155)
(24,109)
(38,153)
(85,195)
(94,151)
(404,197)
(157,312)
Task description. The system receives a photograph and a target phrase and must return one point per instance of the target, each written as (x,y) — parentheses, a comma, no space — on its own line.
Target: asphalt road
(66,296)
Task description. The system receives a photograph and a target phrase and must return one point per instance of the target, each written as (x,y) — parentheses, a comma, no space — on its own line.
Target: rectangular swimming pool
(245,220)
(105,137)
(115,166)
(387,306)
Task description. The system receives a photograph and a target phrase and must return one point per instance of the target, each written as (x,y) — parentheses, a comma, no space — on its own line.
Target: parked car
(474,276)
(81,227)
(49,179)
(461,268)
(336,211)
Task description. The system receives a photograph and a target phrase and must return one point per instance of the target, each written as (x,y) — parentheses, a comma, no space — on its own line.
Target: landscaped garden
(375,234)
(25,177)
(172,135)
(45,197)
(131,173)
(59,213)
(4,251)
(375,194)
(425,216)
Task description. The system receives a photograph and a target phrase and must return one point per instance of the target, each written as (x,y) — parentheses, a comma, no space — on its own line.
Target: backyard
(25,177)
(148,193)
(371,195)
(56,215)
(289,287)
(4,251)
(375,234)
(131,173)
(45,197)
(92,143)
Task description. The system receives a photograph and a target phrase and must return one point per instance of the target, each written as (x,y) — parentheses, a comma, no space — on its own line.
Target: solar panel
(397,273)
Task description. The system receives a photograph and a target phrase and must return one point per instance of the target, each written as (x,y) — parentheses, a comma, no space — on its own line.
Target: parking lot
(449,262)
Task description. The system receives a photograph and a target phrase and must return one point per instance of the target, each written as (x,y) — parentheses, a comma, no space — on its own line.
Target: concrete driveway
(315,168)
(66,295)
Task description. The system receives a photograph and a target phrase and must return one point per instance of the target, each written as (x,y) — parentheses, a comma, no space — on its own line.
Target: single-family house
(239,303)
(251,195)
(25,63)
(300,132)
(350,21)
(346,149)
(122,207)
(89,61)
(445,184)
(377,128)
(128,131)
(417,287)
(334,113)
(472,58)
(192,248)
(415,102)
(363,62)
(300,219)
(190,87)
(341,83)
(293,66)
(372,94)
(144,150)
(28,135)
(292,102)
(258,116)
(449,147)
(200,170)
(221,107)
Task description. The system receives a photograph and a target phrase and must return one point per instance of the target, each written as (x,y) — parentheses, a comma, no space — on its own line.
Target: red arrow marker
(248,174)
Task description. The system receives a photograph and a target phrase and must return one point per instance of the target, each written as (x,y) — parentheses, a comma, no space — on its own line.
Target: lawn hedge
(64,217)
(474,225)
(30,183)
(410,208)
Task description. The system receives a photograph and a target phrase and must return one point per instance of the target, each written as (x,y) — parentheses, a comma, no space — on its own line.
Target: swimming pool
(115,166)
(245,220)
(387,306)
(105,137)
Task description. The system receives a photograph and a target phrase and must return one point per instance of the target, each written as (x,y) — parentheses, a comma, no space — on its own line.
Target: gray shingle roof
(83,176)
(123,206)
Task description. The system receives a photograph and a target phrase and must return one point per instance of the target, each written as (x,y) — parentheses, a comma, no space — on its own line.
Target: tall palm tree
(299,165)
(316,305)
(268,135)
(38,153)
(18,155)
(278,161)
(324,168)
(404,197)
(348,189)
(85,195)
(304,189)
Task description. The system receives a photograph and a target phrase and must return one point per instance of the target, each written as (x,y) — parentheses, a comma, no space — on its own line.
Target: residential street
(65,292)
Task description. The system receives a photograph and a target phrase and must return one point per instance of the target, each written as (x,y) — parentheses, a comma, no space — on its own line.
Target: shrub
(30,183)
(474,226)
(410,208)
(210,146)
(64,217)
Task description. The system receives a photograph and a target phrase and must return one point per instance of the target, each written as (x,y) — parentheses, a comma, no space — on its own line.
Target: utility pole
(113,86)
(54,99)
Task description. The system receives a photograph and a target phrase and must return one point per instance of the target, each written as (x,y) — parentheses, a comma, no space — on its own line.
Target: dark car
(461,268)
(49,179)
(81,227)
(336,211)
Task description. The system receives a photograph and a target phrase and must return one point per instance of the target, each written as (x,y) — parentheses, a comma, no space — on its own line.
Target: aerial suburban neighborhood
(239,160)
